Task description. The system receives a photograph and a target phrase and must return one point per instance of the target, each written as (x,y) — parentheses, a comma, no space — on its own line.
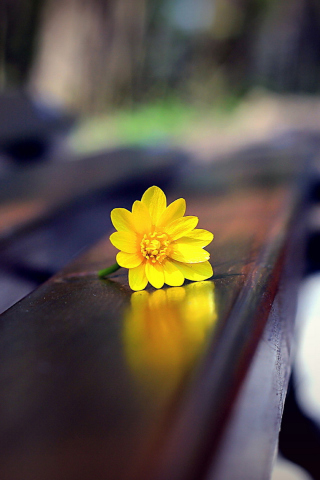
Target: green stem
(108,271)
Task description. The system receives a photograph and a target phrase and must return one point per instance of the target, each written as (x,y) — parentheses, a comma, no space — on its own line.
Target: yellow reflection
(166,330)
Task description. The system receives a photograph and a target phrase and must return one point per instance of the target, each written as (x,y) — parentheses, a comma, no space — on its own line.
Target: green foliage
(150,124)
(146,125)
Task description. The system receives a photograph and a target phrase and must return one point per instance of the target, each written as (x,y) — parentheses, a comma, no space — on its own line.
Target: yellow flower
(158,244)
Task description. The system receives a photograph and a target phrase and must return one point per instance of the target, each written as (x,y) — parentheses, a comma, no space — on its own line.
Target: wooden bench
(183,383)
(49,212)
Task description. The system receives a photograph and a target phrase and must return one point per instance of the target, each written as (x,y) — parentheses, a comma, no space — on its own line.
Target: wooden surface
(50,212)
(30,194)
(99,382)
(249,443)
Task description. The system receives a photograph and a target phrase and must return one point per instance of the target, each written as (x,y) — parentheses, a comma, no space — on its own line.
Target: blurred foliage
(147,125)
(167,122)
(99,55)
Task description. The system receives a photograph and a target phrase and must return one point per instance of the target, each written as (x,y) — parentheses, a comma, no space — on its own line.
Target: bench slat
(98,382)
(30,195)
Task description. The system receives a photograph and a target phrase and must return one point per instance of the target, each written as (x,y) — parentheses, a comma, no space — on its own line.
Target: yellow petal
(188,253)
(195,271)
(155,274)
(137,277)
(175,210)
(129,260)
(197,238)
(141,217)
(122,219)
(172,275)
(156,202)
(181,227)
(125,241)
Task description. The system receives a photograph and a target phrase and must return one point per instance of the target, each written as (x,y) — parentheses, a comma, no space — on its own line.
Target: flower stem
(107,271)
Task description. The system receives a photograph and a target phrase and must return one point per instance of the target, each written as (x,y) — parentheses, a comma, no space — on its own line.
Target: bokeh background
(103,54)
(148,71)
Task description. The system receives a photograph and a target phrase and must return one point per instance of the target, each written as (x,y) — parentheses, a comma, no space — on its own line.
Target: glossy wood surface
(248,447)
(99,382)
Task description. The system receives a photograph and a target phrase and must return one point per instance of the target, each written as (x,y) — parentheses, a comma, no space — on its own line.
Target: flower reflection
(165,331)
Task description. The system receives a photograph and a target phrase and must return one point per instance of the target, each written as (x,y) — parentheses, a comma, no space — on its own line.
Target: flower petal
(125,241)
(197,238)
(195,271)
(172,275)
(156,202)
(129,260)
(137,277)
(188,253)
(155,274)
(175,210)
(141,217)
(122,219)
(181,227)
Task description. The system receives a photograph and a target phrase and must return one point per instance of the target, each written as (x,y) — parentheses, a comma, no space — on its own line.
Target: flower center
(154,246)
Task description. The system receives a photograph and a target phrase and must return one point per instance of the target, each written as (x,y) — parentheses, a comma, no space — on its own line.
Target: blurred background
(206,76)
(180,71)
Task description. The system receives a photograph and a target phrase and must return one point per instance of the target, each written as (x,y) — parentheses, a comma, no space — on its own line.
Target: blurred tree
(287,55)
(219,37)
(97,54)
(19,20)
(90,51)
